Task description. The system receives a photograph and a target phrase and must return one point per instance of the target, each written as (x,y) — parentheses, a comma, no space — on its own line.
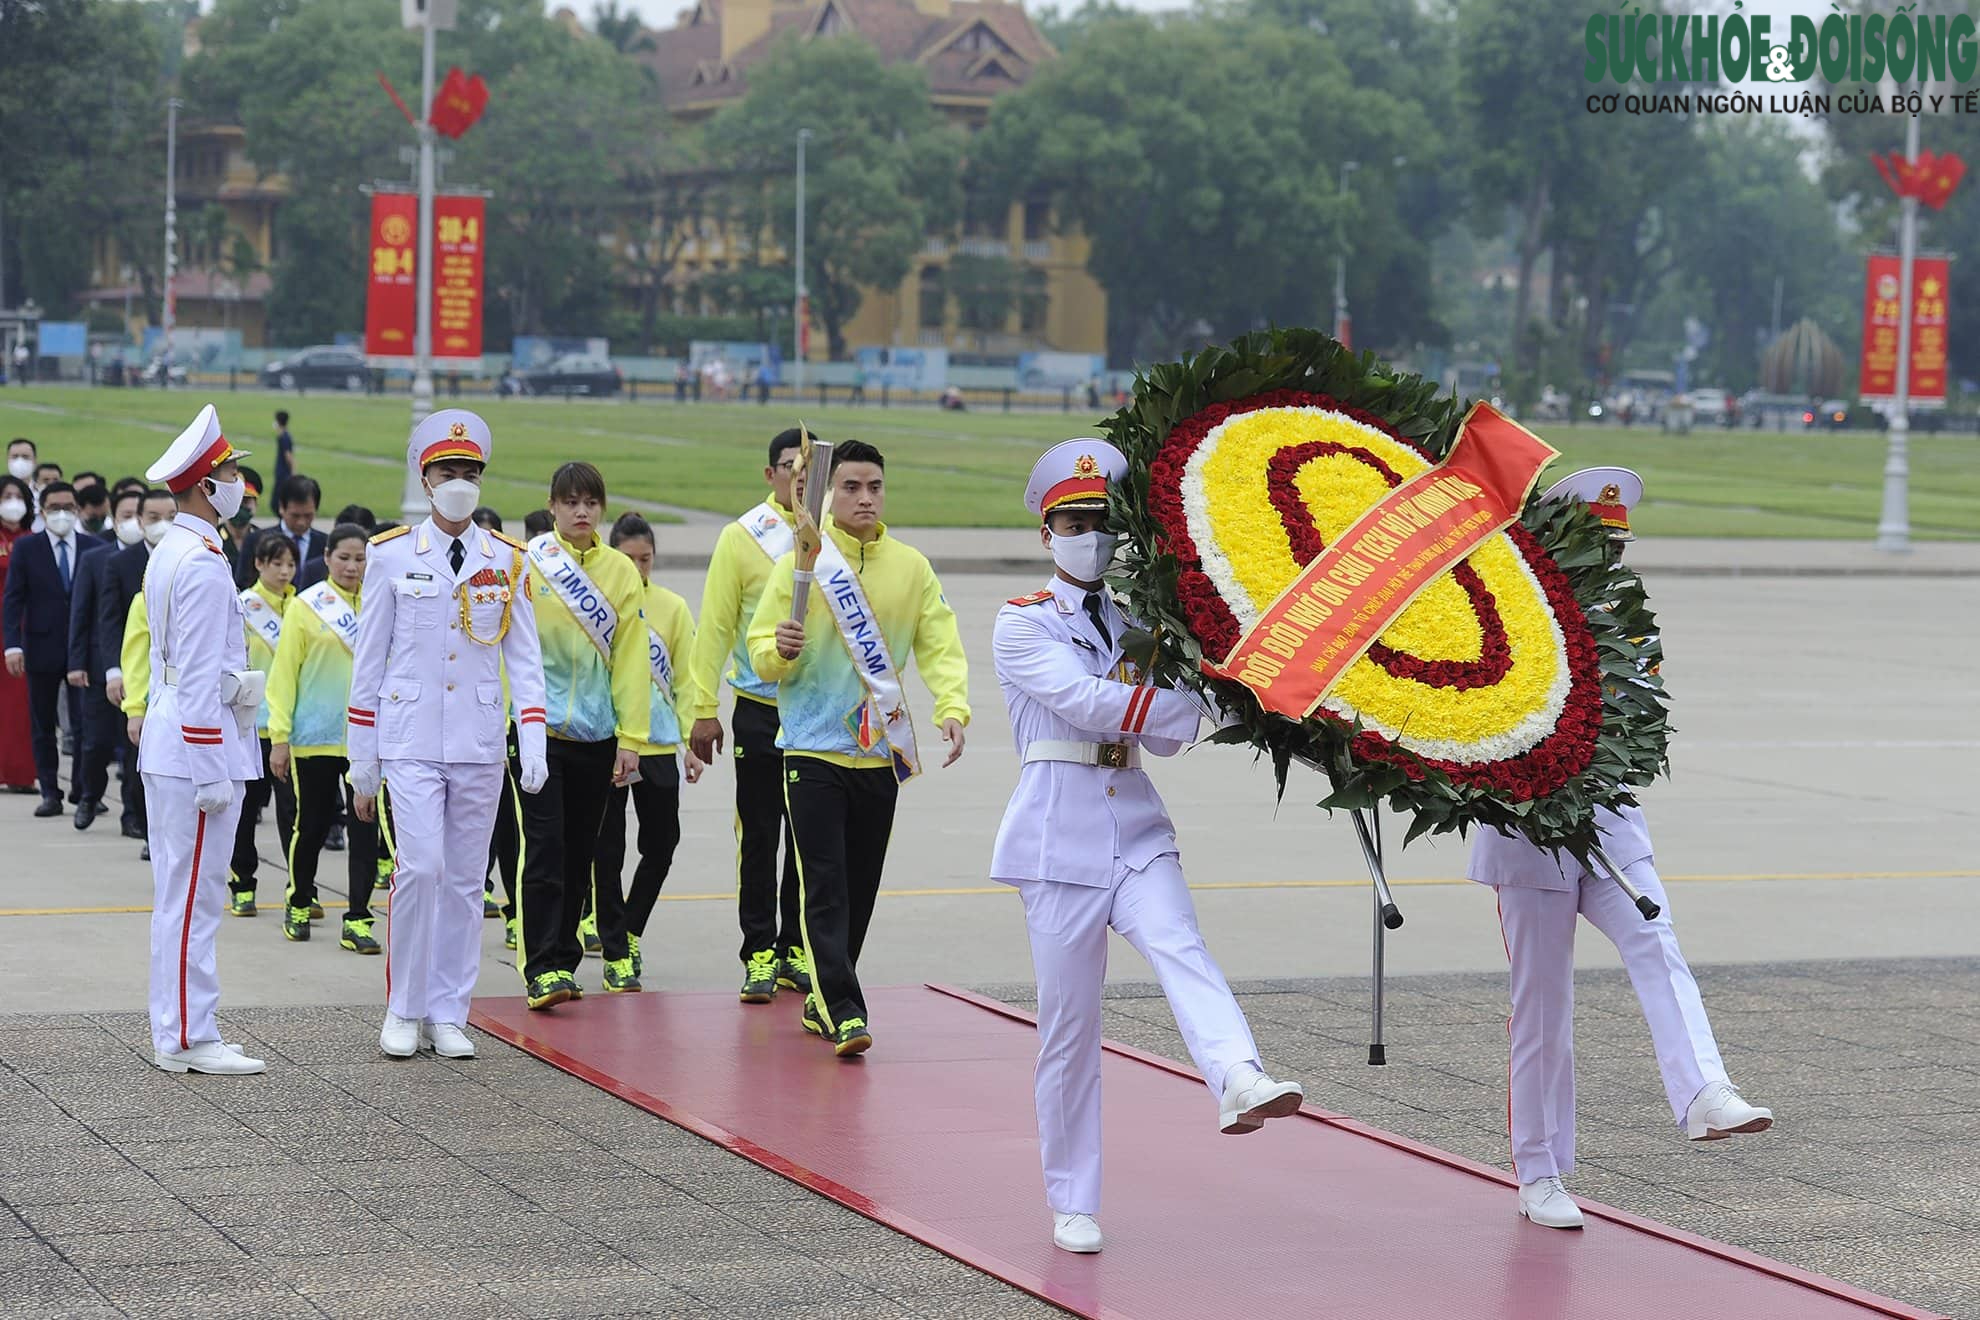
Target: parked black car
(573,374)
(326,366)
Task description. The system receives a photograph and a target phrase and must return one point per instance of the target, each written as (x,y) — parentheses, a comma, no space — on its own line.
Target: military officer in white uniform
(446,613)
(1089,845)
(1540,895)
(196,746)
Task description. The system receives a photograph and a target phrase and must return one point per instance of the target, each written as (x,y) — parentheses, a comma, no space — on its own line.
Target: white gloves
(364,777)
(535,771)
(214,798)
(533,756)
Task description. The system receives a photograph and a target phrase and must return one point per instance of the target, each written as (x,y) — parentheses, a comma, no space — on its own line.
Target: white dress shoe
(1250,1097)
(1719,1110)
(1077,1233)
(399,1037)
(446,1040)
(1547,1204)
(209,1056)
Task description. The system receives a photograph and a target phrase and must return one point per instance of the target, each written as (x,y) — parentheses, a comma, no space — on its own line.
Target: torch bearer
(811,479)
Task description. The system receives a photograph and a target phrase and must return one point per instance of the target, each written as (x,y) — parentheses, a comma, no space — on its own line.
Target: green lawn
(964,470)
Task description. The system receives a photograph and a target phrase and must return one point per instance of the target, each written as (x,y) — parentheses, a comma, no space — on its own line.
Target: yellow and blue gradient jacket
(309,685)
(668,615)
(819,694)
(588,701)
(261,655)
(736,576)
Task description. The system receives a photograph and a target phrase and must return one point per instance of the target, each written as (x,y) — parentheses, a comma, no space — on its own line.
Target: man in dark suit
(102,731)
(123,580)
(34,620)
(295,504)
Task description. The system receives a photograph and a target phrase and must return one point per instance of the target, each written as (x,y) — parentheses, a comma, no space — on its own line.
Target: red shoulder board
(1035,598)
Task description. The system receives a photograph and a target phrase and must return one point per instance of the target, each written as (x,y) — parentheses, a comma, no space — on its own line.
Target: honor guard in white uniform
(446,614)
(1540,895)
(196,748)
(1089,845)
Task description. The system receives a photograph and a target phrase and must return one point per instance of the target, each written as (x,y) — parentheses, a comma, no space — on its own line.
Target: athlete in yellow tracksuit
(840,792)
(597,693)
(309,693)
(767,907)
(656,790)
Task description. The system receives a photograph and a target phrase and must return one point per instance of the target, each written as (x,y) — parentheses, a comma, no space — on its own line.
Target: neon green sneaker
(295,924)
(810,1020)
(241,905)
(509,933)
(760,977)
(357,936)
(851,1038)
(549,990)
(316,911)
(632,951)
(794,971)
(620,978)
(588,932)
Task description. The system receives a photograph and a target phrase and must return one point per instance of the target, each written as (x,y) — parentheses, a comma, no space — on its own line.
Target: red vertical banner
(391,294)
(1877,373)
(458,227)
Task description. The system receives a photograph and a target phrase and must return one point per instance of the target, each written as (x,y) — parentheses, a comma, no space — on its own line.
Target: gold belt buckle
(1112,756)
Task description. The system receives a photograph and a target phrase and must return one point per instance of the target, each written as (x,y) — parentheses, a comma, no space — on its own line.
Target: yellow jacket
(819,694)
(136,656)
(586,700)
(261,655)
(668,615)
(737,573)
(309,684)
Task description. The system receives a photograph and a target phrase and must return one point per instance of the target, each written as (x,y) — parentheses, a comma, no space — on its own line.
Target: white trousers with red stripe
(189,854)
(443,816)
(1151,908)
(1539,926)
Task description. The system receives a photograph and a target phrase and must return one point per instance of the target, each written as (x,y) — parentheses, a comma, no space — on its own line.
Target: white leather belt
(1108,756)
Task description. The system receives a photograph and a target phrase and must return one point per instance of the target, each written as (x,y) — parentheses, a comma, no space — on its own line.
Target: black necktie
(455,554)
(1094,613)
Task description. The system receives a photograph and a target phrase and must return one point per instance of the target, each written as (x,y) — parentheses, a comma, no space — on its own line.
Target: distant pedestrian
(285,449)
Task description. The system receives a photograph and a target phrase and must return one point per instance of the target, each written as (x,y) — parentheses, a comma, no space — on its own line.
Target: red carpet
(1316,1217)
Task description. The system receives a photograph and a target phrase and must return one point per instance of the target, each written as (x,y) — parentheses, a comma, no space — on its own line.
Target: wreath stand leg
(1368,829)
(1644,904)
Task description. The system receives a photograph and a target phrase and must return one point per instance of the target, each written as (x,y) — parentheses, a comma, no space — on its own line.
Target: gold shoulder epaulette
(1035,598)
(383,537)
(506,539)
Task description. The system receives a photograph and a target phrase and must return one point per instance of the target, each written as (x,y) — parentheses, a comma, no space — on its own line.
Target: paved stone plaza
(1818,835)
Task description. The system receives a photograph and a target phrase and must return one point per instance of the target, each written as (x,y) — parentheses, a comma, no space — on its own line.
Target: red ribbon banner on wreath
(1422,529)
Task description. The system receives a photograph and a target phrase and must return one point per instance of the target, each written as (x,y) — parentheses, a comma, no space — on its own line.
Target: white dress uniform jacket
(1080,825)
(189,733)
(420,689)
(1510,861)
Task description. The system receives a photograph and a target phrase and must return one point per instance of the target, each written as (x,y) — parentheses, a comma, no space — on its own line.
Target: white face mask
(227,496)
(21,467)
(61,522)
(455,500)
(155,532)
(129,532)
(13,510)
(1084,557)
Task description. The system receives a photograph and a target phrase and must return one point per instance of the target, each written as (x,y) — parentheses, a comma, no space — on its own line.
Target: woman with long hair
(309,691)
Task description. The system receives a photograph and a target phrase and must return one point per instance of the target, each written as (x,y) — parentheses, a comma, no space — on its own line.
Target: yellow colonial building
(971,51)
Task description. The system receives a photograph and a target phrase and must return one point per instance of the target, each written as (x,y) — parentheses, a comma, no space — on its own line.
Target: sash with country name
(884,713)
(766,526)
(334,613)
(573,587)
(659,662)
(263,620)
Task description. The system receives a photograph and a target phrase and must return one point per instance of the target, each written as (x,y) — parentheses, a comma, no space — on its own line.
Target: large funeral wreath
(1520,690)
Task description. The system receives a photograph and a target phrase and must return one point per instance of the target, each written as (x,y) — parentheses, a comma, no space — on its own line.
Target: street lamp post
(1894,527)
(171,309)
(429,16)
(1341,333)
(801,319)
